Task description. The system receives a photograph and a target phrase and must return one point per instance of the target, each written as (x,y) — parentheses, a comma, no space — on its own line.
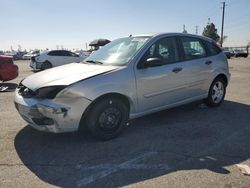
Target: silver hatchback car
(128,78)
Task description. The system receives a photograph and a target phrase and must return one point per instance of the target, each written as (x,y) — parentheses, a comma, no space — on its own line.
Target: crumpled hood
(64,75)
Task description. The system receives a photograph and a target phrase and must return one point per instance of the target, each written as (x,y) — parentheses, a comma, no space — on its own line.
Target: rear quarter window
(213,48)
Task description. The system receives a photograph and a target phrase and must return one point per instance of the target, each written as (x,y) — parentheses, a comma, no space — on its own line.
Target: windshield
(119,52)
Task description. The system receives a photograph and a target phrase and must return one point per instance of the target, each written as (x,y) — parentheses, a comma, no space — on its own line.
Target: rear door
(200,64)
(74,57)
(57,58)
(68,57)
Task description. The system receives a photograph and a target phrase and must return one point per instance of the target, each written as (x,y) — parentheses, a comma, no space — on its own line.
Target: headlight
(49,92)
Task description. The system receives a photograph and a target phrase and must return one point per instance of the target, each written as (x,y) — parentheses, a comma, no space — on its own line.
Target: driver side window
(164,49)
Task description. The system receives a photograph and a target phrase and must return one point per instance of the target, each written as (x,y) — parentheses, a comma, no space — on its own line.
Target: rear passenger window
(60,53)
(193,48)
(66,53)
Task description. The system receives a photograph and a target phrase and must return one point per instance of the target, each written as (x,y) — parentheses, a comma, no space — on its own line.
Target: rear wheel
(46,65)
(216,93)
(107,118)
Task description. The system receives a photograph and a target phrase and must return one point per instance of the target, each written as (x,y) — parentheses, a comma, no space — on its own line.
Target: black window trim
(140,64)
(66,53)
(55,51)
(60,52)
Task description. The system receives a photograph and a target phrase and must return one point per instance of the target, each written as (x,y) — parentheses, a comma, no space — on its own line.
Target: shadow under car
(189,137)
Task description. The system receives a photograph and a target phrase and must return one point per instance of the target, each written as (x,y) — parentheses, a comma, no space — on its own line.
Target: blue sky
(72,23)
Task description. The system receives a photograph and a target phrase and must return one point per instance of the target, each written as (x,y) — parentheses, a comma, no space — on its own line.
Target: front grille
(43,121)
(25,91)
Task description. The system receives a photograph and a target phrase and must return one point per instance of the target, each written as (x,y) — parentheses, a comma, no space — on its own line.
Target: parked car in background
(127,78)
(16,55)
(228,53)
(19,55)
(82,53)
(12,53)
(31,54)
(8,70)
(55,58)
(240,53)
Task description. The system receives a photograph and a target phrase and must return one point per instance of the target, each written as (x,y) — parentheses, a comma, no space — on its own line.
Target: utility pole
(196,29)
(222,25)
(184,29)
(208,21)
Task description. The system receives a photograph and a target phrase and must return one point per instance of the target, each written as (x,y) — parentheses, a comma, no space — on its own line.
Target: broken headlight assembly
(49,92)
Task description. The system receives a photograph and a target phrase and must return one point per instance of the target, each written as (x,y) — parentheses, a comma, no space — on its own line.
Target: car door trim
(165,91)
(174,89)
(188,100)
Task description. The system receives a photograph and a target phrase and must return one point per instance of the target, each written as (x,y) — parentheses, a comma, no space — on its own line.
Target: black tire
(107,118)
(215,98)
(46,65)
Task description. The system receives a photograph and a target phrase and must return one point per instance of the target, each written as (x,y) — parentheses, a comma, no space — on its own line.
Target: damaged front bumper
(57,115)
(35,65)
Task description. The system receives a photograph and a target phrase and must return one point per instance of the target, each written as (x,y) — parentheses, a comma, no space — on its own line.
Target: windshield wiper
(95,62)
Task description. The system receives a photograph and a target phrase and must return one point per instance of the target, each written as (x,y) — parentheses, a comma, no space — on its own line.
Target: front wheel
(216,93)
(107,118)
(46,65)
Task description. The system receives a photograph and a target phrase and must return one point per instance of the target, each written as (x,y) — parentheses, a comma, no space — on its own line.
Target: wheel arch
(223,76)
(123,98)
(209,101)
(46,61)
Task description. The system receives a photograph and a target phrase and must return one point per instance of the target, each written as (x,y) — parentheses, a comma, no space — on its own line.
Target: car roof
(6,57)
(57,51)
(173,34)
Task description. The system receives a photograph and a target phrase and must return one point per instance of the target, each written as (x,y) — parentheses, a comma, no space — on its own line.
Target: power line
(239,23)
(209,12)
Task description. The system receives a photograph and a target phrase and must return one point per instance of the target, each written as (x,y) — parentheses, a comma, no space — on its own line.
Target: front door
(164,83)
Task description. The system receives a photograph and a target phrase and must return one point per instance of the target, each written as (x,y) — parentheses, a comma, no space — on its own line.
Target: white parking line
(108,169)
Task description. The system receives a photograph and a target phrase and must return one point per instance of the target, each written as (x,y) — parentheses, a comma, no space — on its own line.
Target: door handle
(177,69)
(208,62)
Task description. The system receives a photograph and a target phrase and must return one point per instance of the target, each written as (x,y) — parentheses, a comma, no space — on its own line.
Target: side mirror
(153,62)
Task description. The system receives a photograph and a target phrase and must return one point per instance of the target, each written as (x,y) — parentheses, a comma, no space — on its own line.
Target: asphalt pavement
(187,146)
